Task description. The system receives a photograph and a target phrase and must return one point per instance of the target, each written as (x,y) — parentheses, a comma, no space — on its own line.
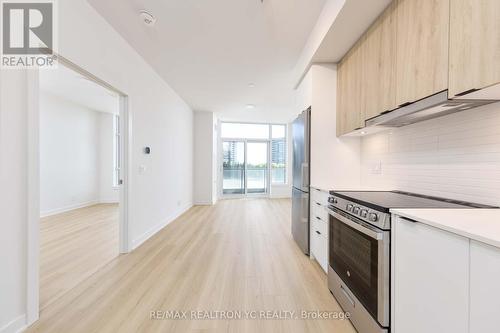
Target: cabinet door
(430,279)
(320,197)
(474,45)
(319,228)
(349,76)
(342,97)
(422,48)
(484,288)
(319,243)
(378,60)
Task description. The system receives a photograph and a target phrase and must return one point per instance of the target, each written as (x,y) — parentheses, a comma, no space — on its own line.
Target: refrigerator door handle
(305,175)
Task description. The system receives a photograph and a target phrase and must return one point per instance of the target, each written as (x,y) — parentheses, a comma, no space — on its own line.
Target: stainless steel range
(359,251)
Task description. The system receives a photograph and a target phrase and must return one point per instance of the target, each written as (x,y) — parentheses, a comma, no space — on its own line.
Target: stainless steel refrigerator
(301,130)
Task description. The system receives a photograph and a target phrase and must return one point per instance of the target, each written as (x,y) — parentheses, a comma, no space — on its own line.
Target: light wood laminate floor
(237,255)
(73,246)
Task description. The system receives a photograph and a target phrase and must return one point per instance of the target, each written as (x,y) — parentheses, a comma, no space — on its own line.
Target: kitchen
(405,223)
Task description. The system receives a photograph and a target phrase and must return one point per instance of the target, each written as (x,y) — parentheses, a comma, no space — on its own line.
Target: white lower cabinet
(319,249)
(430,279)
(484,288)
(319,227)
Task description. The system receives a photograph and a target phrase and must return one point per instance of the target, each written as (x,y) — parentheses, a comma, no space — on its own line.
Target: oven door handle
(365,229)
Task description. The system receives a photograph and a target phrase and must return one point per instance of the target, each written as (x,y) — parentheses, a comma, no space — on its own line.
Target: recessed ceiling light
(250,106)
(251,85)
(147,18)
(363,132)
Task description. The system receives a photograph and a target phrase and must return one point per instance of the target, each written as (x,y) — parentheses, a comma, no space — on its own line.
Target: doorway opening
(245,167)
(253,158)
(82,200)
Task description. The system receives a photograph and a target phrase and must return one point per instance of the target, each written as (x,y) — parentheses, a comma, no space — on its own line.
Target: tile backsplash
(455,156)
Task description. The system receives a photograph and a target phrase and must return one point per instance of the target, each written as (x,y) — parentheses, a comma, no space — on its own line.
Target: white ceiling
(72,86)
(340,25)
(343,34)
(210,51)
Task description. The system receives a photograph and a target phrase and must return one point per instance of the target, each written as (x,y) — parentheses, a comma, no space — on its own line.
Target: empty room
(79,180)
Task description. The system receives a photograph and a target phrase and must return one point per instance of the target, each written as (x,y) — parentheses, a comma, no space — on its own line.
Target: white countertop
(482,225)
(320,188)
(342,189)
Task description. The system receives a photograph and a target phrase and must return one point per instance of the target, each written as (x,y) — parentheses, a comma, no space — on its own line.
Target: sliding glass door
(257,167)
(233,167)
(245,167)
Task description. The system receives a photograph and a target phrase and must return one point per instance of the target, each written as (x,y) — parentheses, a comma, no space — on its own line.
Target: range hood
(434,106)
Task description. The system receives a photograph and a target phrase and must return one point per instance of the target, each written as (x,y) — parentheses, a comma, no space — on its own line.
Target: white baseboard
(148,234)
(109,201)
(16,325)
(68,208)
(203,203)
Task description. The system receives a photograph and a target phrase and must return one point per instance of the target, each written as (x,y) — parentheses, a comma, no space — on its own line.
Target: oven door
(359,254)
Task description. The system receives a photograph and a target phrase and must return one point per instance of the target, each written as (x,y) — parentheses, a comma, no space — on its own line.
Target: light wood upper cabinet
(474,45)
(349,101)
(415,49)
(341,108)
(422,48)
(378,52)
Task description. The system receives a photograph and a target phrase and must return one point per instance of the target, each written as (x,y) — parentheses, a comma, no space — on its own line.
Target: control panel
(372,216)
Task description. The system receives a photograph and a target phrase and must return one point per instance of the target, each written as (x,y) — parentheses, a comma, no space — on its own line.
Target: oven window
(354,257)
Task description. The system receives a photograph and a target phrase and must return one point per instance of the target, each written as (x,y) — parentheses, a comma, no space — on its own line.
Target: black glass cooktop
(385,200)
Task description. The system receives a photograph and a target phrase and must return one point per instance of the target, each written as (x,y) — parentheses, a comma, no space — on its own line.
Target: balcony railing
(234,180)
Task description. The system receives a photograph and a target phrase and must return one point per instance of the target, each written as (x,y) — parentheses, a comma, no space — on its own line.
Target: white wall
(159,119)
(303,93)
(108,193)
(76,156)
(456,156)
(69,155)
(215,159)
(335,162)
(205,159)
(13,199)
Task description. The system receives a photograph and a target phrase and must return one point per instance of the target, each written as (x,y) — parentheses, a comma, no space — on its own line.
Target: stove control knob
(356,210)
(333,200)
(364,213)
(373,217)
(349,207)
